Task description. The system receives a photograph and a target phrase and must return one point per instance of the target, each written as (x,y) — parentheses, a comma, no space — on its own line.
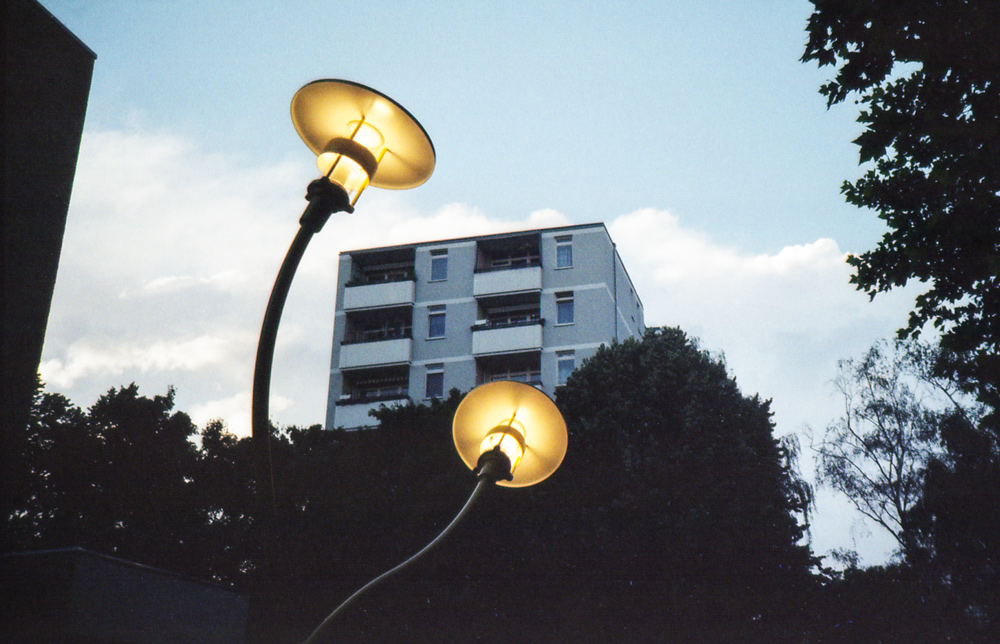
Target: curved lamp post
(509,433)
(361,137)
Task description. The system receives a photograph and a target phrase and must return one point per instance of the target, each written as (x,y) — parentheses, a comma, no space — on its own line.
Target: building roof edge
(512,233)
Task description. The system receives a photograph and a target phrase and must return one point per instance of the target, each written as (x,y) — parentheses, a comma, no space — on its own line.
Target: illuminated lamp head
(510,431)
(361,137)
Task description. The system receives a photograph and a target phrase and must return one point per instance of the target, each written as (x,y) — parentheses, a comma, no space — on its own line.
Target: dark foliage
(676,477)
(926,468)
(927,75)
(957,521)
(674,514)
(888,604)
(120,479)
(676,517)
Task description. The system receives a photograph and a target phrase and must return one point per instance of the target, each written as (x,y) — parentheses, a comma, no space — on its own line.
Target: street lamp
(512,428)
(361,137)
(509,433)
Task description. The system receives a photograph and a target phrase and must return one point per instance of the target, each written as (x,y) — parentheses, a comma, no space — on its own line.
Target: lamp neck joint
(325,198)
(494,465)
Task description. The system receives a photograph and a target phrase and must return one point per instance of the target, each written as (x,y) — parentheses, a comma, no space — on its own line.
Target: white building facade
(413,322)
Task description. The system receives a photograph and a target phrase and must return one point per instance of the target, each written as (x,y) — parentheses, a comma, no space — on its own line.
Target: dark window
(564,308)
(435,322)
(564,252)
(435,381)
(439,265)
(565,364)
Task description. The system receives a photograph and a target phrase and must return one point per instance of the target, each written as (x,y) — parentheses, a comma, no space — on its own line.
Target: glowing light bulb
(509,439)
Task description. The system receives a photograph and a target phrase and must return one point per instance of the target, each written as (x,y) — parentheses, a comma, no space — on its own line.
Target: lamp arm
(484,482)
(325,198)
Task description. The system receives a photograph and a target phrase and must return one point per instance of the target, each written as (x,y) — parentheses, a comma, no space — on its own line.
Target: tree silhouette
(876,452)
(927,75)
(683,486)
(119,479)
(676,514)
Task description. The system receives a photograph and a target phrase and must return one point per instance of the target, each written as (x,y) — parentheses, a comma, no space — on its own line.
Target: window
(564,251)
(435,321)
(435,381)
(564,308)
(366,328)
(528,375)
(565,364)
(512,315)
(384,389)
(439,265)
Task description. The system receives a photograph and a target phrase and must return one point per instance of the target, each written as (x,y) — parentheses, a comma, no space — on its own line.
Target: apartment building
(414,321)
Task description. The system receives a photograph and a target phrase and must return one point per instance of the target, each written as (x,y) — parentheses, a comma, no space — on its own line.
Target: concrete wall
(46,82)
(74,595)
(606,307)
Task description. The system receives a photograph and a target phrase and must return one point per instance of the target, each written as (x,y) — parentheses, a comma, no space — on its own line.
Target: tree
(875,454)
(891,603)
(119,479)
(912,454)
(39,473)
(927,75)
(680,494)
(675,515)
(957,519)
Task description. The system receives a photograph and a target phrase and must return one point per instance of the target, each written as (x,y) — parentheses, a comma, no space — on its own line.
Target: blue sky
(689,128)
(616,106)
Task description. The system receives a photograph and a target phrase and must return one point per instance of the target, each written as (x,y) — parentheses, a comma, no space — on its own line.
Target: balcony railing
(366,397)
(511,280)
(485,325)
(534,380)
(370,296)
(521,336)
(510,265)
(365,354)
(402,275)
(356,415)
(377,335)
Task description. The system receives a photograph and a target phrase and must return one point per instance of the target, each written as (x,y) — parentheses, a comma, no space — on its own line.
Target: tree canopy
(673,465)
(122,479)
(912,453)
(927,76)
(877,451)
(675,511)
(676,515)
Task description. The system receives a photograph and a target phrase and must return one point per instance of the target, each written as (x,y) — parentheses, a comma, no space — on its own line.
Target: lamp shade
(326,113)
(535,422)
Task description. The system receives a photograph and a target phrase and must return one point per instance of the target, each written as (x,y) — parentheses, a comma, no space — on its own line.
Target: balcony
(380,294)
(353,414)
(508,280)
(370,354)
(506,338)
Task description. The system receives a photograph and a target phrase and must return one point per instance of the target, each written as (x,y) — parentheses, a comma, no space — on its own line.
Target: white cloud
(170,253)
(225,280)
(783,320)
(86,359)
(168,259)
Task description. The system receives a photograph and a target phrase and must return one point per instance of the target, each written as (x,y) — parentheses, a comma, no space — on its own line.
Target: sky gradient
(690,129)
